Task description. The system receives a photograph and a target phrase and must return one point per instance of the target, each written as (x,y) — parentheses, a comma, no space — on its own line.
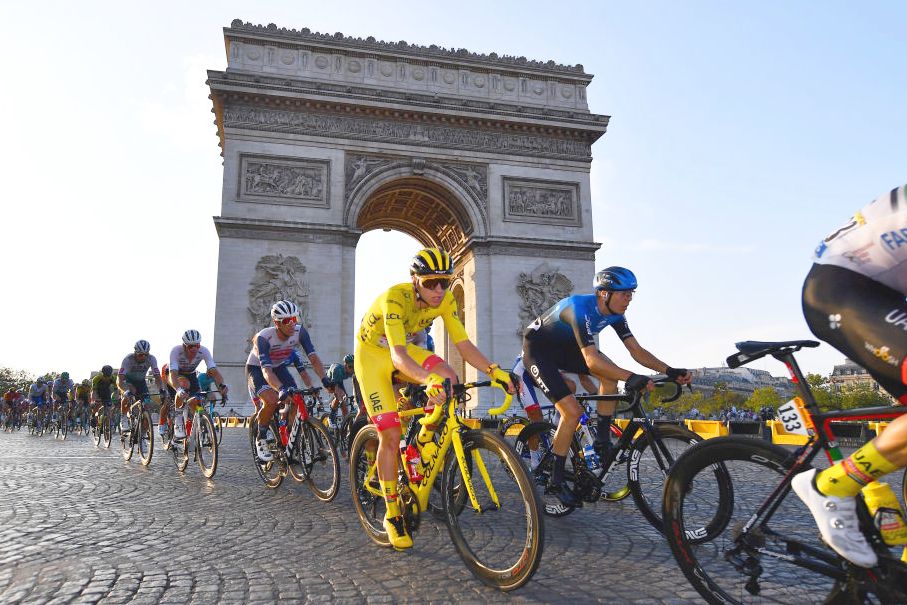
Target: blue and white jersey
(873,243)
(36,390)
(62,386)
(574,321)
(180,361)
(270,350)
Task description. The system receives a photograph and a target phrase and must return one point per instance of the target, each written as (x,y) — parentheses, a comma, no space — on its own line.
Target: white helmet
(142,346)
(284,309)
(191,337)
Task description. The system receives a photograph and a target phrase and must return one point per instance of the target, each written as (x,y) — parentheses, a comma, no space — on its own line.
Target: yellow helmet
(431,261)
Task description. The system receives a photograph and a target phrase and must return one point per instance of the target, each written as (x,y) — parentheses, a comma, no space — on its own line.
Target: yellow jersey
(395,320)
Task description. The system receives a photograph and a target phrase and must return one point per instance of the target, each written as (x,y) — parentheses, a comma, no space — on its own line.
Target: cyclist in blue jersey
(337,374)
(563,339)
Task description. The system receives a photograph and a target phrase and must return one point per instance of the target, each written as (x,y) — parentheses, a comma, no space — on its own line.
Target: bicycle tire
(145,439)
(167,435)
(218,424)
(105,432)
(486,558)
(206,450)
(370,508)
(128,443)
(98,430)
(542,473)
(646,475)
(321,461)
(270,472)
(179,449)
(62,425)
(716,567)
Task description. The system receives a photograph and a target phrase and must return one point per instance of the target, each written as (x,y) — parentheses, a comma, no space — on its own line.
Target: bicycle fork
(460,452)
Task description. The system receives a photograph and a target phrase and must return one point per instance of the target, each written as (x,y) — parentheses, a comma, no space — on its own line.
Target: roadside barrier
(782,437)
(707,428)
(877,427)
(746,428)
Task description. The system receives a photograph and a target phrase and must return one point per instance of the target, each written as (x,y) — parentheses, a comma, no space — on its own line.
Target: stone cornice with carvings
(238,29)
(290,231)
(536,248)
(221,82)
(411,129)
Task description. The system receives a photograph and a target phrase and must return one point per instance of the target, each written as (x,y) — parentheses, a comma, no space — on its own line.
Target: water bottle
(886,512)
(282,429)
(413,464)
(590,456)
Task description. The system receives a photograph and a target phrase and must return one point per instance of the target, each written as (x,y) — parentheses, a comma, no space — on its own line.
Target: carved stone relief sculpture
(544,202)
(284,181)
(277,277)
(540,289)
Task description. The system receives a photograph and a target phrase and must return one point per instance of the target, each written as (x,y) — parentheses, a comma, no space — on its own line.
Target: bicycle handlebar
(633,396)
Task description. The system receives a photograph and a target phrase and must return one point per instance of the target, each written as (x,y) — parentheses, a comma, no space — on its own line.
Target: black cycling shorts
(545,366)
(862,318)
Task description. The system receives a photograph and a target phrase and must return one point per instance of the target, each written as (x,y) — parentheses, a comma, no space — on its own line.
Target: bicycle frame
(449,434)
(821,438)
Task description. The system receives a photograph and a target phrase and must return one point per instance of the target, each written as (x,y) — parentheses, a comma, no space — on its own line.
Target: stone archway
(324,137)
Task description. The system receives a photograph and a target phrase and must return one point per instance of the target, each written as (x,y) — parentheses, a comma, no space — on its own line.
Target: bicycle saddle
(750,350)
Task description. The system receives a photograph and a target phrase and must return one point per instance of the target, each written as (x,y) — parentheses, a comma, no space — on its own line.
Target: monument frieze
(402,132)
(543,202)
(276,180)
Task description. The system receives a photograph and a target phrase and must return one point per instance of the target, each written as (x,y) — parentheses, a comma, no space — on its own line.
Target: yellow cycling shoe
(397,534)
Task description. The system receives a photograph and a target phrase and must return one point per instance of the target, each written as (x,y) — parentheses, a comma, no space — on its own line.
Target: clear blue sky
(741,134)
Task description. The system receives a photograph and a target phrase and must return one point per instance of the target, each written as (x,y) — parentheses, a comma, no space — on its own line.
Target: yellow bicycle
(487,499)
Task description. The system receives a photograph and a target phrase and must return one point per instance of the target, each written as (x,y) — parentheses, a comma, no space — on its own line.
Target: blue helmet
(615,279)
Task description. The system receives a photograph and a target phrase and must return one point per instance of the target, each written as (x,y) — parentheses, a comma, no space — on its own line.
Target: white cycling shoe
(262,449)
(837,521)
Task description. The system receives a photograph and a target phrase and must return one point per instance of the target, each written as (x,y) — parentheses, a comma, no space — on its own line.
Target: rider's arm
(644,357)
(601,366)
(216,376)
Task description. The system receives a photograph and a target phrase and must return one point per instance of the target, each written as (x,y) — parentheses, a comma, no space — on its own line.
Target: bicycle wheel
(62,424)
(127,441)
(544,464)
(179,448)
(366,491)
(322,466)
(770,561)
(206,445)
(146,438)
(104,424)
(218,424)
(646,472)
(97,431)
(502,541)
(271,472)
(167,435)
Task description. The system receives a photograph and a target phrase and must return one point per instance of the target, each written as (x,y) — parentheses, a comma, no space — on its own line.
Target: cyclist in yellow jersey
(385,344)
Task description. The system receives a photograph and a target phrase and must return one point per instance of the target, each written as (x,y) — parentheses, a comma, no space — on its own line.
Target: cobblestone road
(78,524)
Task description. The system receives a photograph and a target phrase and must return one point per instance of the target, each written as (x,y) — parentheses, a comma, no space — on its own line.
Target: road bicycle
(201,436)
(762,544)
(636,464)
(303,449)
(101,430)
(140,434)
(487,498)
(34,420)
(341,428)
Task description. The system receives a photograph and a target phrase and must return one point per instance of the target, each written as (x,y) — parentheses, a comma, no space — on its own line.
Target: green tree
(825,396)
(14,379)
(762,397)
(862,396)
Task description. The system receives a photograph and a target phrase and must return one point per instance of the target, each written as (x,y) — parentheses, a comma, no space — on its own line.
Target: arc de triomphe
(325,137)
